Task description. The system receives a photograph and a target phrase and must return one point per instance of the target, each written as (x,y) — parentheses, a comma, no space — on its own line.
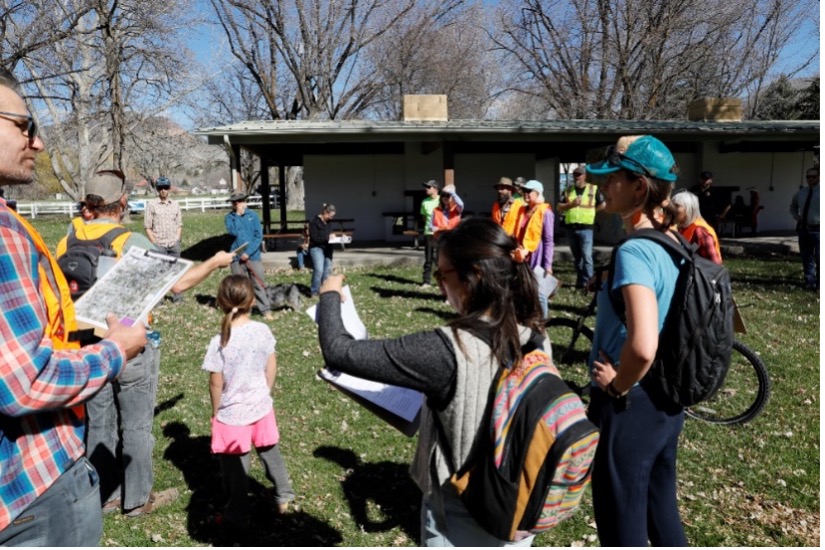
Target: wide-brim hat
(505,182)
(237,197)
(107,186)
(643,153)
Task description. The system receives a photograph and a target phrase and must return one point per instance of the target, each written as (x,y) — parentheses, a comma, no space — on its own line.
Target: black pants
(430,258)
(634,475)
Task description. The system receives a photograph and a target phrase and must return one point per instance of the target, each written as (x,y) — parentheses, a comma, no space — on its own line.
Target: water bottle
(153,337)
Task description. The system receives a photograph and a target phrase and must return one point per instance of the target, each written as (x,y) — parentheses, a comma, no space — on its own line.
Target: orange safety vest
(445,221)
(688,232)
(55,292)
(530,235)
(509,221)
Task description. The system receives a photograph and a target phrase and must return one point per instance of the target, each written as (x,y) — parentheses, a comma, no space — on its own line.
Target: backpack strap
(104,241)
(679,251)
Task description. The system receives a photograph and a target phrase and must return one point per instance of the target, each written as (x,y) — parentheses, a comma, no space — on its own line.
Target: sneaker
(111,507)
(426,285)
(268,316)
(156,500)
(282,508)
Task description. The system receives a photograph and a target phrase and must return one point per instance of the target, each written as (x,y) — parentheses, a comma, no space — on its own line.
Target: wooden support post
(265,207)
(282,191)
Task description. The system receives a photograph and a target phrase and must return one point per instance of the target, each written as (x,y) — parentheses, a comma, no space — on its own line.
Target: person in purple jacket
(534,229)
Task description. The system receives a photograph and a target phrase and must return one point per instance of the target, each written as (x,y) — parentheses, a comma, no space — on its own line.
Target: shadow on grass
(447,315)
(205,249)
(394,279)
(412,294)
(387,485)
(201,471)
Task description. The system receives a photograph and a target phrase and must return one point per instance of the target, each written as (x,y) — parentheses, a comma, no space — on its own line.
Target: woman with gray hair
(694,228)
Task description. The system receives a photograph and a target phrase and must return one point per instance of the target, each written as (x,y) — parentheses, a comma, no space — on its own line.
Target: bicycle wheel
(571,350)
(744,394)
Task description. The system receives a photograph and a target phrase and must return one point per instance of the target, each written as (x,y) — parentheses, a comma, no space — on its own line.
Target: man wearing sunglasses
(49,493)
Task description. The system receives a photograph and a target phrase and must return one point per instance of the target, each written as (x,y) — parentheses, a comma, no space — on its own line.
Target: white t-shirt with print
(245,398)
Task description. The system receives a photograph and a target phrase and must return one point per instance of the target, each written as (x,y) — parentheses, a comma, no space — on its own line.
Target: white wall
(360,187)
(776,176)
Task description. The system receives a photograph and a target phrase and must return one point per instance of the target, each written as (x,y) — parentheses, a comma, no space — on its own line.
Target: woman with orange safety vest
(694,228)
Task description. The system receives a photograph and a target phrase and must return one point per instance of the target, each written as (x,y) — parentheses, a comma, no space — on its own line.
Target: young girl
(241,363)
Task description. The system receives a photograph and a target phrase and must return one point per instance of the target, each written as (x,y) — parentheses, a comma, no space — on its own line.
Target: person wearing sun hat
(506,208)
(579,203)
(534,232)
(245,226)
(634,472)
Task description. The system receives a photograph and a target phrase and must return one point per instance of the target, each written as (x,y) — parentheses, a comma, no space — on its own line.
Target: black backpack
(697,337)
(79,263)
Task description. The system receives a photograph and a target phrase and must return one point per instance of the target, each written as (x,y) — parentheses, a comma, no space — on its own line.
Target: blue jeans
(300,257)
(634,473)
(461,528)
(321,266)
(67,514)
(581,246)
(131,398)
(809,250)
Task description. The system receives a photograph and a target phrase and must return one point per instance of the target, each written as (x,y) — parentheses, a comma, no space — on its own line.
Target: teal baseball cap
(644,155)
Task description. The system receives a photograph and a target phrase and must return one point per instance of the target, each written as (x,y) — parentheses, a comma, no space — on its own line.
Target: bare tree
(122,65)
(447,54)
(307,55)
(642,59)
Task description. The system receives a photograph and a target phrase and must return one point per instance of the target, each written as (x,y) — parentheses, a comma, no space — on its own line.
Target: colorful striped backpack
(533,459)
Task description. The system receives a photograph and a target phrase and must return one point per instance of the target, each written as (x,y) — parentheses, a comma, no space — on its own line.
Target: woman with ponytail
(495,298)
(241,365)
(634,474)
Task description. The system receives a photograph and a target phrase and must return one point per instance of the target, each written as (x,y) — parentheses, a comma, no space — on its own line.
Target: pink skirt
(237,440)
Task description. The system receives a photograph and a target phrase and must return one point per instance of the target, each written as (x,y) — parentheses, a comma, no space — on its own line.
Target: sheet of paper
(402,402)
(352,322)
(336,239)
(547,283)
(130,289)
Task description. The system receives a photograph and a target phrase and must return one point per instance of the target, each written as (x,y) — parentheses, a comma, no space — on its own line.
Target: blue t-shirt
(638,262)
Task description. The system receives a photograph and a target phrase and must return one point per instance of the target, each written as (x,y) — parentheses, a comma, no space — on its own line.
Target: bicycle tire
(744,394)
(571,351)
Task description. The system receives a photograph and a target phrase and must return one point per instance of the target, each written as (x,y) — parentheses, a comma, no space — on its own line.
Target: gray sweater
(454,374)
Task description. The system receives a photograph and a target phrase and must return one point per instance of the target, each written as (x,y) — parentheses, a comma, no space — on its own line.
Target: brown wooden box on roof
(425,108)
(715,108)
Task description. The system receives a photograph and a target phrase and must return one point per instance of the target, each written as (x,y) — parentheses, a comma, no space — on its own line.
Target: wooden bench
(293,231)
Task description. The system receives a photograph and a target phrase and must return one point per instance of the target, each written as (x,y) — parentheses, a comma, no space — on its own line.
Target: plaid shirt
(164,219)
(707,245)
(41,436)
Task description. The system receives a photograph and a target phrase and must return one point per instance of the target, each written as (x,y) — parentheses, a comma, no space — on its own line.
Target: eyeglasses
(31,125)
(439,275)
(615,158)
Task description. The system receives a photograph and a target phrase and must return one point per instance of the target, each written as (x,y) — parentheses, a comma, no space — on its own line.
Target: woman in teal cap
(634,476)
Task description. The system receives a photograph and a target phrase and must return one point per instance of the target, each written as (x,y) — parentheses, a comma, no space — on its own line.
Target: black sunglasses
(615,158)
(31,125)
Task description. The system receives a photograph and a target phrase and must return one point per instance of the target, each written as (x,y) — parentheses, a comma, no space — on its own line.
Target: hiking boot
(268,316)
(156,500)
(111,507)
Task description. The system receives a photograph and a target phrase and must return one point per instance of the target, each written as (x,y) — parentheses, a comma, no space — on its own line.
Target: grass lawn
(753,485)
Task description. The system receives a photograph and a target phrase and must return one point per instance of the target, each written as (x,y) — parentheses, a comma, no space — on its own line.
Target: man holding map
(48,491)
(130,399)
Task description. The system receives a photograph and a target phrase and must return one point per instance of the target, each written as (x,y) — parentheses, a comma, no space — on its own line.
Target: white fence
(70,209)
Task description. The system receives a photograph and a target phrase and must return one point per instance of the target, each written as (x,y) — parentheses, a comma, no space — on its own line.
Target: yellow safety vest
(586,212)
